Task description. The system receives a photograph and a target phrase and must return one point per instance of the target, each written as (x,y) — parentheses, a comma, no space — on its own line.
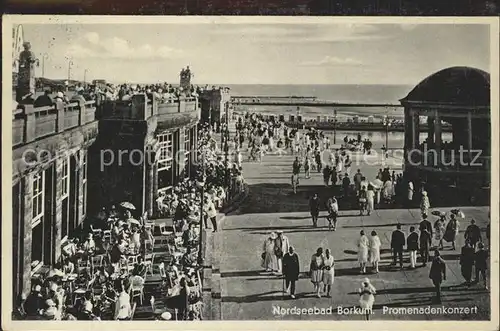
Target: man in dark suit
(412,247)
(397,244)
(481,261)
(425,224)
(437,273)
(291,269)
(425,245)
(473,233)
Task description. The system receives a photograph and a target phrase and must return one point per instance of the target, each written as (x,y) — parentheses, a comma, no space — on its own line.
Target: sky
(258,53)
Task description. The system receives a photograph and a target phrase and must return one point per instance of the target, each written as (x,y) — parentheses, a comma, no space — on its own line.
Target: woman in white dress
(370,199)
(316,270)
(328,272)
(374,246)
(362,251)
(367,297)
(269,261)
(439,228)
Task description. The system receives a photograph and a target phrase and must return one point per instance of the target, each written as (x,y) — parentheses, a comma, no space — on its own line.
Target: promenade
(249,293)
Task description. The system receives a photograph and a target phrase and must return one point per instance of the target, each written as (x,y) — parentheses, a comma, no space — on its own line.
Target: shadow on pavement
(254,297)
(243,273)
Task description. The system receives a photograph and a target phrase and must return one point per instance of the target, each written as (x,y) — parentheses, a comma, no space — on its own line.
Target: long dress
(374,246)
(328,270)
(317,272)
(367,297)
(438,230)
(425,205)
(451,231)
(363,249)
(270,261)
(370,199)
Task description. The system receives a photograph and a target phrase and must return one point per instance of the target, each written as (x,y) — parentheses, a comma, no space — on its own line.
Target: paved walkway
(248,293)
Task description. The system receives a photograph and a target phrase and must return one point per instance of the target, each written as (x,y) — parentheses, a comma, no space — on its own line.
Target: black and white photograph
(277,170)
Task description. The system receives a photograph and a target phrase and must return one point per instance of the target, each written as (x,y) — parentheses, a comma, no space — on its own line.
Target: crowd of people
(102,274)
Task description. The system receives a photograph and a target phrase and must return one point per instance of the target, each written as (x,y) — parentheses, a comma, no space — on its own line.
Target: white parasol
(377,183)
(133,221)
(127,205)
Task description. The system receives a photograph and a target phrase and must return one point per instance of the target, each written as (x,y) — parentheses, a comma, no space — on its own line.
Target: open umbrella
(127,205)
(133,221)
(437,213)
(457,213)
(377,183)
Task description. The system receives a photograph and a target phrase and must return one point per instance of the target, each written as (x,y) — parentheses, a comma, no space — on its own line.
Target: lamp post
(335,127)
(387,125)
(44,56)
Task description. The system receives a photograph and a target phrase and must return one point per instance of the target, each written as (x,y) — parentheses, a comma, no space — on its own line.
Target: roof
(455,86)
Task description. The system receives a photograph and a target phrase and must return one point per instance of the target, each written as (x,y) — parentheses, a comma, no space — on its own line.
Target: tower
(185,82)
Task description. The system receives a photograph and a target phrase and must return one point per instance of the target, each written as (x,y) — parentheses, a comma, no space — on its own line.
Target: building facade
(145,147)
(49,183)
(215,104)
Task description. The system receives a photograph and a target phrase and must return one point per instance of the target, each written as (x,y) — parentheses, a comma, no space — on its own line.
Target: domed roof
(455,86)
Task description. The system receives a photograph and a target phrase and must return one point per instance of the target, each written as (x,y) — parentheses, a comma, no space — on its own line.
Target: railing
(30,123)
(142,107)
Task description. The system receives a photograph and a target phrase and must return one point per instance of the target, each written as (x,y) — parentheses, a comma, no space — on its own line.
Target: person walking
(327,171)
(467,258)
(425,224)
(314,209)
(424,204)
(357,180)
(291,270)
(316,270)
(374,253)
(437,273)
(333,210)
(397,245)
(481,263)
(425,245)
(281,246)
(328,272)
(307,168)
(451,232)
(473,233)
(346,184)
(362,245)
(269,261)
(439,230)
(370,199)
(362,200)
(367,297)
(411,190)
(412,247)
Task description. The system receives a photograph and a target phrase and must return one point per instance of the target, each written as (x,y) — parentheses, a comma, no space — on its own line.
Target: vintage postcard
(250,172)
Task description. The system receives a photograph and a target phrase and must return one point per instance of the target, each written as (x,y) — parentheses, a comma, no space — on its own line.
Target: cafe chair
(97,262)
(106,236)
(149,262)
(165,235)
(137,288)
(149,245)
(96,232)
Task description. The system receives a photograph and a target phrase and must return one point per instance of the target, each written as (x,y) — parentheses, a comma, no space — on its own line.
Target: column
(155,187)
(469,133)
(437,133)
(57,220)
(182,152)
(413,129)
(80,194)
(27,206)
(149,166)
(430,134)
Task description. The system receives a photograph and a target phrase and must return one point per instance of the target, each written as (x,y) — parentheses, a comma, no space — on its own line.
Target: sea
(355,94)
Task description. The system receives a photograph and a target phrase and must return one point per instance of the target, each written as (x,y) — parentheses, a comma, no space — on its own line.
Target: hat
(50,303)
(366,281)
(273,235)
(279,231)
(424,193)
(53,287)
(37,288)
(60,94)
